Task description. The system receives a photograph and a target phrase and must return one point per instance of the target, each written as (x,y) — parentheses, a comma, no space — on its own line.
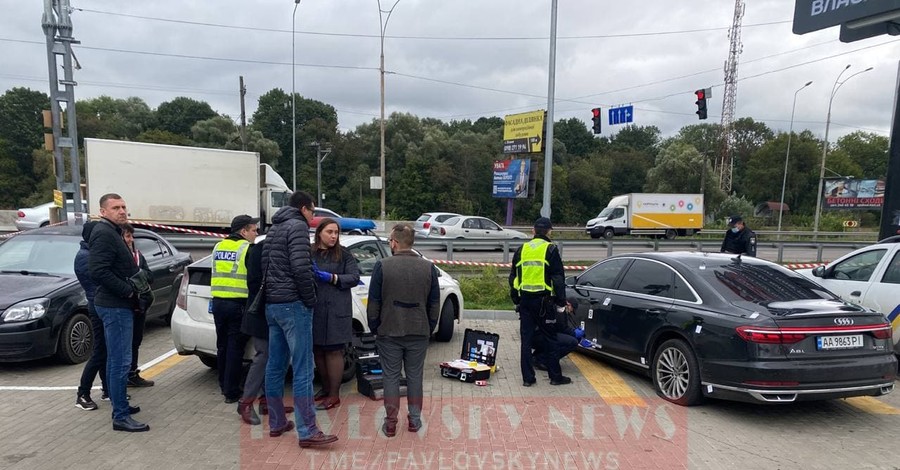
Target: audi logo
(843,321)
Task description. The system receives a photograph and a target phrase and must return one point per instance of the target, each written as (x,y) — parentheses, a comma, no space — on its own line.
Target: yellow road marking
(608,384)
(872,406)
(162,366)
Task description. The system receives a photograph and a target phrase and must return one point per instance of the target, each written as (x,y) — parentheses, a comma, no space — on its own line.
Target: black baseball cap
(242,221)
(735,219)
(543,223)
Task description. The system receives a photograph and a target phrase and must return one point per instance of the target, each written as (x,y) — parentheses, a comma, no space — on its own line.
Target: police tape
(480,264)
(176,229)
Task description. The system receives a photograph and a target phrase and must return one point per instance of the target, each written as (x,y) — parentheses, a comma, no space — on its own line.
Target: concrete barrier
(8,220)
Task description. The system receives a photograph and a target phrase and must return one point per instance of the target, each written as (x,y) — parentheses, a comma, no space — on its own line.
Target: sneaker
(135,380)
(105,396)
(85,403)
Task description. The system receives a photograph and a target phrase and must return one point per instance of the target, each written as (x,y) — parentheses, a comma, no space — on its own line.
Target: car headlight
(30,309)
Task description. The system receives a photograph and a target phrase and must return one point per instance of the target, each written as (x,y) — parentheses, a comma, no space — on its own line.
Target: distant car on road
(474,228)
(724,326)
(43,310)
(39,216)
(869,276)
(425,221)
(194,332)
(349,225)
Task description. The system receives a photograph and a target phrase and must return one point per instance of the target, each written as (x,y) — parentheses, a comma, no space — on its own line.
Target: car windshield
(605,212)
(761,284)
(42,254)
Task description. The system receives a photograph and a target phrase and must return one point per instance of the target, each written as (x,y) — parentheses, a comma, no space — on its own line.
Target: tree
(749,137)
(180,114)
(112,118)
(678,169)
(868,150)
(156,136)
(765,172)
(640,138)
(576,137)
(22,129)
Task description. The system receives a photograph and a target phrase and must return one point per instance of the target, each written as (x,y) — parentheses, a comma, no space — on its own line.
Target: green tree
(22,128)
(576,137)
(112,118)
(156,136)
(678,169)
(749,137)
(221,132)
(868,150)
(765,172)
(640,138)
(180,114)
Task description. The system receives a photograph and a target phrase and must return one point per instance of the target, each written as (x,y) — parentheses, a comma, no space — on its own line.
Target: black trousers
(549,349)
(97,362)
(230,343)
(137,337)
(529,309)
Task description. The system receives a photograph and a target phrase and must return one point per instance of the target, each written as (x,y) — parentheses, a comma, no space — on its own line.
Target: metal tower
(57,26)
(725,163)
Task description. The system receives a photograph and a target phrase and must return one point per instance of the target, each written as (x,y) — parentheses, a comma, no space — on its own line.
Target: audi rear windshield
(760,284)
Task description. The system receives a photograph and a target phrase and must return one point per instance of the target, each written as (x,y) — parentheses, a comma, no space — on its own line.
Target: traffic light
(701,103)
(597,120)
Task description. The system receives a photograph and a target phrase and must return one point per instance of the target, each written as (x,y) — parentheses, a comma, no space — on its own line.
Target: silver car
(39,216)
(430,219)
(474,228)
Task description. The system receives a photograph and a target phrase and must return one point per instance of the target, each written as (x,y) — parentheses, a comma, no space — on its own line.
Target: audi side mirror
(819,271)
(570,281)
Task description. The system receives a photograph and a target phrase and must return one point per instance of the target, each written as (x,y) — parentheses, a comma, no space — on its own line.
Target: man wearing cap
(229,292)
(537,288)
(739,239)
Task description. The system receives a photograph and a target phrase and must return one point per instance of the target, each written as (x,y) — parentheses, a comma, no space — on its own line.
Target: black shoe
(85,403)
(133,410)
(562,380)
(231,400)
(135,380)
(130,425)
(389,430)
(528,383)
(538,365)
(105,396)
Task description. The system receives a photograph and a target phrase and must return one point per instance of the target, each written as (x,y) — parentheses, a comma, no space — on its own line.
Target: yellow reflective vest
(532,266)
(229,269)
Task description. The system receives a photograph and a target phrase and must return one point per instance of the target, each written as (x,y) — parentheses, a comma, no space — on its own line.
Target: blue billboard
(511,178)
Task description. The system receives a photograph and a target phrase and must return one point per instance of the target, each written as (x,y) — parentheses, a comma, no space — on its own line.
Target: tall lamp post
(788,156)
(834,89)
(294,97)
(383,20)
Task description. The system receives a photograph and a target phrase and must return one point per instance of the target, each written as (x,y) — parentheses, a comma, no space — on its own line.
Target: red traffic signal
(701,103)
(597,120)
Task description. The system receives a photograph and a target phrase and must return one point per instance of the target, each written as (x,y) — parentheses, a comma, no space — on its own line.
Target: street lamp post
(788,156)
(383,20)
(834,89)
(321,155)
(294,97)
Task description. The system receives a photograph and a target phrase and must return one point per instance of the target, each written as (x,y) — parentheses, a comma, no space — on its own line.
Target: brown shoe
(389,430)
(328,403)
(248,414)
(413,427)
(278,432)
(319,439)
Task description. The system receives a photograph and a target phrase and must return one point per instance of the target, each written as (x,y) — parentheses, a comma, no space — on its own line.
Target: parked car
(425,221)
(193,329)
(349,225)
(44,310)
(474,228)
(39,216)
(869,276)
(723,326)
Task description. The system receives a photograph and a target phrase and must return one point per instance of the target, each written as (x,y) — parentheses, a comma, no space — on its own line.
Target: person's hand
(579,333)
(323,276)
(560,308)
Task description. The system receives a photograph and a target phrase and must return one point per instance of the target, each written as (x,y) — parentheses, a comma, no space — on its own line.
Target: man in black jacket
(739,239)
(97,363)
(290,289)
(112,267)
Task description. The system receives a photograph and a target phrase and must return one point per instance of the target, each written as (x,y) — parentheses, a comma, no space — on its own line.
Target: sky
(464,59)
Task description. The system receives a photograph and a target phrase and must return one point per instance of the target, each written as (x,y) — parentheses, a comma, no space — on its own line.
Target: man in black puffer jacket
(290,290)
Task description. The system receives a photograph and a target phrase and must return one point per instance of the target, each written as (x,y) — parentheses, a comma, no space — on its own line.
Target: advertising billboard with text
(511,178)
(852,194)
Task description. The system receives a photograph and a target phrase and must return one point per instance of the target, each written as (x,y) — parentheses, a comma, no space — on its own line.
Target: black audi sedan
(43,309)
(731,327)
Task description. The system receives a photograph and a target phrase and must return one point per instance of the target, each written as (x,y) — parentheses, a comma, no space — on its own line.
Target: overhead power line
(425,38)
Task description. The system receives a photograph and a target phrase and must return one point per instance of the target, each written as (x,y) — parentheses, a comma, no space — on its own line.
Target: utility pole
(725,166)
(321,155)
(243,115)
(57,26)
(383,20)
(548,121)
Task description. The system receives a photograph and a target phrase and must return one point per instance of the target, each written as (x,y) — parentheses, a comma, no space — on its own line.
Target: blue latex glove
(579,333)
(585,343)
(323,276)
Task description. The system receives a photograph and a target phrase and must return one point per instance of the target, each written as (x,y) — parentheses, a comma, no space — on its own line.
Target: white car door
(850,278)
(491,229)
(883,294)
(471,228)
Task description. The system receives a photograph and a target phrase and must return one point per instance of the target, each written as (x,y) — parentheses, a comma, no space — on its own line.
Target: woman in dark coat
(336,273)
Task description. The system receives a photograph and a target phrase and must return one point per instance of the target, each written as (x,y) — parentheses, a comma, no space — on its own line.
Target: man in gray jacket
(404,295)
(290,291)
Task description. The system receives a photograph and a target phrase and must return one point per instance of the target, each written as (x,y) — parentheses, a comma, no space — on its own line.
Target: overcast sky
(464,59)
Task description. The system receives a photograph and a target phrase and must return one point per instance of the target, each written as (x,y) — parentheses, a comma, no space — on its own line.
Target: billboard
(523,133)
(511,178)
(852,194)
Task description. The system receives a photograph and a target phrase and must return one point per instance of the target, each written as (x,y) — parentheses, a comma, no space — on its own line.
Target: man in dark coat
(739,239)
(97,362)
(290,288)
(112,267)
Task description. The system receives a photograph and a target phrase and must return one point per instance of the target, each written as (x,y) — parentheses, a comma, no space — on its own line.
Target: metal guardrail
(508,247)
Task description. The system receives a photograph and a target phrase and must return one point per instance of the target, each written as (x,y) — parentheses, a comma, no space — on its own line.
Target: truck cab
(611,221)
(274,193)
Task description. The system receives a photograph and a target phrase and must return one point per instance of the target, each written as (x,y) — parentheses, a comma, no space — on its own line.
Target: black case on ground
(369,378)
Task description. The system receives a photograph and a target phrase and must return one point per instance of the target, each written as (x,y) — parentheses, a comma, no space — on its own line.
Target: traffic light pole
(548,122)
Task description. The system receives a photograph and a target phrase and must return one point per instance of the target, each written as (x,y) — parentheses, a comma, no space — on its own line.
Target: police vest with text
(229,270)
(530,271)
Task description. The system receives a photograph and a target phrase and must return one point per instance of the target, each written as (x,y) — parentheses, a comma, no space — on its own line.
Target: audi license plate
(839,342)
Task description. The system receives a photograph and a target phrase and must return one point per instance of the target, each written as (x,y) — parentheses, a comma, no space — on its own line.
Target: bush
(732,205)
(486,291)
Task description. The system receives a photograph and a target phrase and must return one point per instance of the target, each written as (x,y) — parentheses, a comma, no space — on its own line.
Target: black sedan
(723,326)
(43,310)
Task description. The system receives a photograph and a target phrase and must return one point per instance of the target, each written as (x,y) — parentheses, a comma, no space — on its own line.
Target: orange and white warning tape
(177,229)
(496,265)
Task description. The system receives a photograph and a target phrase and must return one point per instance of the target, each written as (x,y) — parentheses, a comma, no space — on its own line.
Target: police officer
(739,239)
(229,292)
(537,284)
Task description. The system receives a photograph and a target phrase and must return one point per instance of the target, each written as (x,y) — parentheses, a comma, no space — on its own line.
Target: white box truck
(653,214)
(187,187)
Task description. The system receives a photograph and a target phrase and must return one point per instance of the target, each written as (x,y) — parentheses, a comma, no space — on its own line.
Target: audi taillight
(427,225)
(181,300)
(884,332)
(763,335)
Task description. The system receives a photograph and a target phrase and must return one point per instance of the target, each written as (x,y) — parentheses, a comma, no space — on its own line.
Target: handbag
(140,282)
(258,305)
